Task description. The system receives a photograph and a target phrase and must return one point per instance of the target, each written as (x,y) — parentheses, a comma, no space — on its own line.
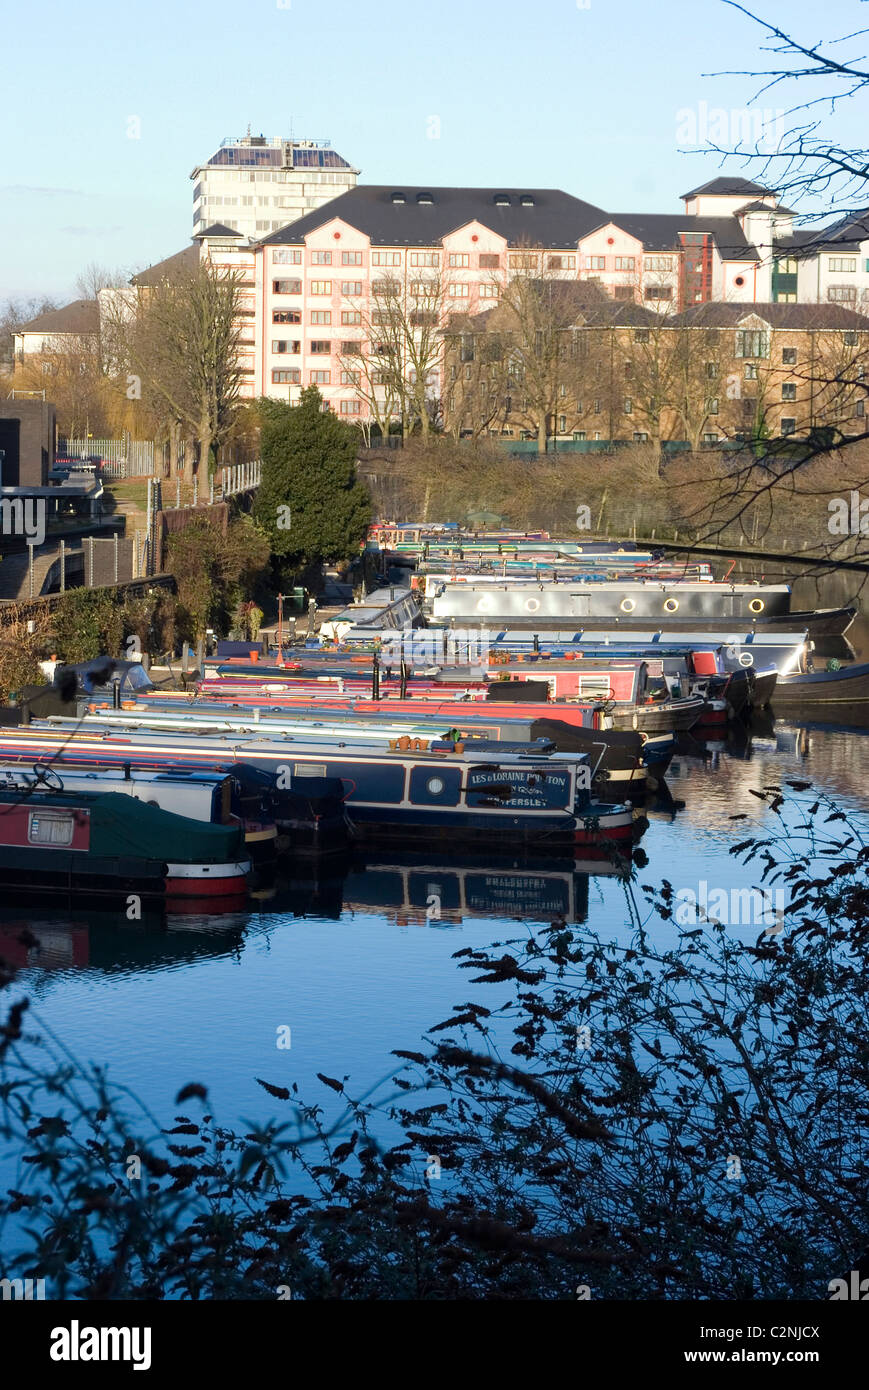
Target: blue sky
(544,94)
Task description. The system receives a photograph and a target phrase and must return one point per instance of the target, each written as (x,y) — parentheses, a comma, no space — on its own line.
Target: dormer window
(501,200)
(424,199)
(526,200)
(399,198)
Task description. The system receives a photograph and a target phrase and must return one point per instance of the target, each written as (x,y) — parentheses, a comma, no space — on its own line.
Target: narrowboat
(92,842)
(838,685)
(211,797)
(451,792)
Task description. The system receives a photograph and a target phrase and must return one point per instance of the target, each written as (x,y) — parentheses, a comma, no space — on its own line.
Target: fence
(120,458)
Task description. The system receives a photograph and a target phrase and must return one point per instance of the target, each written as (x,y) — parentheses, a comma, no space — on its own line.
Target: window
(351,287)
(640,437)
(658,292)
(318,377)
(752,343)
(50,827)
(351,316)
(712,370)
(658,262)
(520,262)
(580,434)
(749,371)
(789,390)
(641,335)
(628,406)
(710,439)
(850,339)
(351,348)
(489,291)
(282,256)
(561,262)
(321,345)
(285,345)
(286,287)
(350,408)
(712,406)
(350,378)
(459,259)
(459,291)
(789,357)
(286,316)
(490,260)
(788,424)
(423,318)
(422,288)
(321,287)
(842,263)
(426,258)
(788,266)
(842,294)
(284,376)
(321,316)
(623,292)
(321,258)
(860,409)
(351,257)
(595,262)
(385,286)
(596,409)
(386,258)
(624,262)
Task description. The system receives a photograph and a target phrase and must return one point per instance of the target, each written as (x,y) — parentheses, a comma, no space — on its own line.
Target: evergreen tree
(310,503)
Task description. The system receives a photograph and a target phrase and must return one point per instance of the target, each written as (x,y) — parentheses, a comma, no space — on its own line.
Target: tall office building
(257,184)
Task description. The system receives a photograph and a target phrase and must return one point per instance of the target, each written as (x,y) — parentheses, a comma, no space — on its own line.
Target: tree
(396,364)
(178,346)
(13,313)
(310,503)
(214,572)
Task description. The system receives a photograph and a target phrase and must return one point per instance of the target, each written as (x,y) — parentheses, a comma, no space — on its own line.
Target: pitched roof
(759,206)
(551,218)
(795,316)
(728,187)
(216,229)
(849,230)
(659,231)
(81,316)
(179,264)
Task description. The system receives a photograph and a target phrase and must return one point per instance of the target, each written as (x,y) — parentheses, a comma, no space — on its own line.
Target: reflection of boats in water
(436,892)
(403,887)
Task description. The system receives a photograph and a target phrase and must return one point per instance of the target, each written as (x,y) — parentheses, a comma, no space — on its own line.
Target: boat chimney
(116,693)
(127,772)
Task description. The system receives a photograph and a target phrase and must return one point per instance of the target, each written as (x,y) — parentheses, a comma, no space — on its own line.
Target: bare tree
(178,348)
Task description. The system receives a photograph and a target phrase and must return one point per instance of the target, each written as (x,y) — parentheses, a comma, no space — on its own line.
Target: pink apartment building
(310,288)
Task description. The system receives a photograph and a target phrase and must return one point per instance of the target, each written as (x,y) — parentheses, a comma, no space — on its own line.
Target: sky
(107,107)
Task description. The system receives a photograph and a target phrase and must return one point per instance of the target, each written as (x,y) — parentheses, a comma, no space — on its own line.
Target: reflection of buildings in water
(715,784)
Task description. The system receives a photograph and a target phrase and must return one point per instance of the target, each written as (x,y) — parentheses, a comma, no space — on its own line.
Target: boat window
(50,827)
(310,769)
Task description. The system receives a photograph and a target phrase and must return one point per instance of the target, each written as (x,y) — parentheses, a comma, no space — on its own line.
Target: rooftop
(396,216)
(82,316)
(725,187)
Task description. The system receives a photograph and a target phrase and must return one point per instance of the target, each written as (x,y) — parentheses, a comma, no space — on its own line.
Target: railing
(119,458)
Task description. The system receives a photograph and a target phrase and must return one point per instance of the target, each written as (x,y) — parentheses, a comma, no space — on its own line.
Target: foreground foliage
(671,1114)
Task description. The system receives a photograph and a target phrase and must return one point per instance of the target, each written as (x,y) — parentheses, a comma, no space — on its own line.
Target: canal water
(357,959)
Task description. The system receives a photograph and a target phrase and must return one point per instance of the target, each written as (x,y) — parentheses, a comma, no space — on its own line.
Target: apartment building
(257,184)
(716,372)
